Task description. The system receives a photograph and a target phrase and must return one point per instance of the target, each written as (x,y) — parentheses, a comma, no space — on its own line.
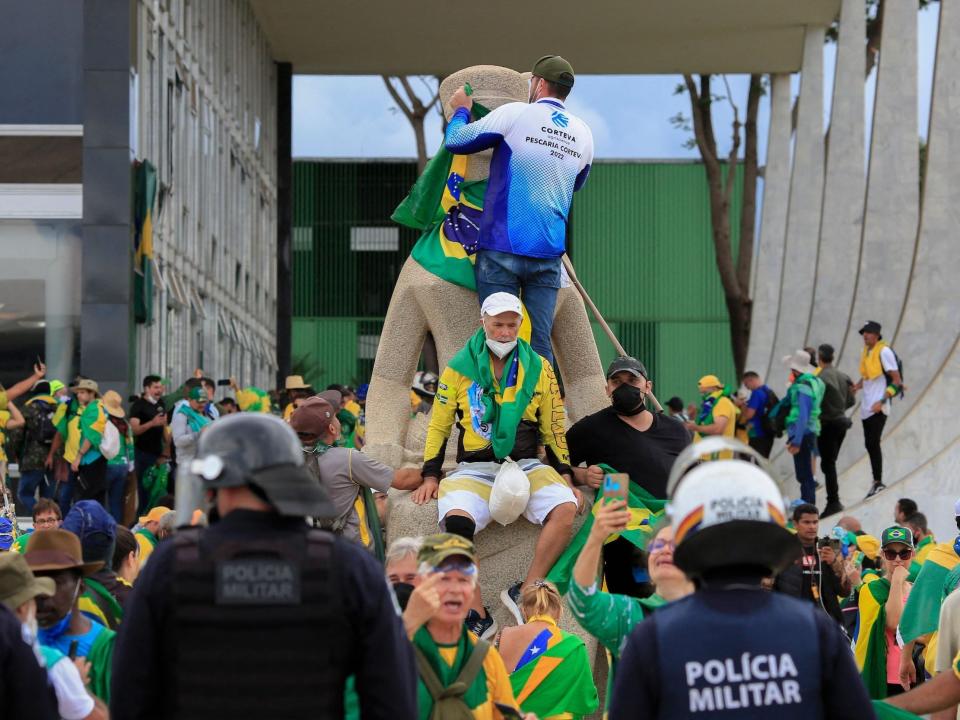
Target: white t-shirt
(876,390)
(73,700)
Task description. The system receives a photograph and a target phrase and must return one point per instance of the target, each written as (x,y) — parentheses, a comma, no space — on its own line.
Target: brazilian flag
(889,712)
(869,637)
(553,677)
(145,193)
(645,511)
(921,614)
(441,202)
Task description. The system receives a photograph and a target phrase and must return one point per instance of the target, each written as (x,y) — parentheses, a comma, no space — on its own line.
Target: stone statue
(424,302)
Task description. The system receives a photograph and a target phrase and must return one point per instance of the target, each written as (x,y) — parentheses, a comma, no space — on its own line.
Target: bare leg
(553,540)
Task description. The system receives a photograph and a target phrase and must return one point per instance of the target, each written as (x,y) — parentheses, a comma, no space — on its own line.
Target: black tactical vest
(261,628)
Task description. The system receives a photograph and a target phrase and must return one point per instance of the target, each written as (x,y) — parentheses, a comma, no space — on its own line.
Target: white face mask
(501,349)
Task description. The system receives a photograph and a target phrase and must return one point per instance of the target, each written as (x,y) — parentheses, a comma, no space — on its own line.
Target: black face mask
(402,591)
(628,400)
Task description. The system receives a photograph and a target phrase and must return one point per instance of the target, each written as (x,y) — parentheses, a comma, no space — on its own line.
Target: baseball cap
(334,397)
(896,534)
(439,547)
(555,69)
(628,364)
(197,393)
(709,381)
(154,515)
(501,302)
(312,416)
(870,326)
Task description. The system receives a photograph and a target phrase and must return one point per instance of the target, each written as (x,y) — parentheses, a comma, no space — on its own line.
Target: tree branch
(396,98)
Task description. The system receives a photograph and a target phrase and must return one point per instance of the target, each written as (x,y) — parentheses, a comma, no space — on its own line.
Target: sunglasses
(894,554)
(658,545)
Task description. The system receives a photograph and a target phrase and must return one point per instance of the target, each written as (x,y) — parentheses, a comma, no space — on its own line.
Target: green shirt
(609,618)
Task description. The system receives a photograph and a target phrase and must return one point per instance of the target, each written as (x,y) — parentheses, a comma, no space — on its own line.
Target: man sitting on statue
(506,400)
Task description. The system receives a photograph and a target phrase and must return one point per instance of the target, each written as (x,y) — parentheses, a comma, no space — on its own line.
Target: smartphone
(73,649)
(223,382)
(39,361)
(508,711)
(616,486)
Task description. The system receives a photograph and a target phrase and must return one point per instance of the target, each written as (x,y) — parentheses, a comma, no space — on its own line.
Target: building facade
(91,91)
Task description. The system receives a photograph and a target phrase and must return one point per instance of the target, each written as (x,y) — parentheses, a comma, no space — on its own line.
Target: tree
(414,109)
(721,179)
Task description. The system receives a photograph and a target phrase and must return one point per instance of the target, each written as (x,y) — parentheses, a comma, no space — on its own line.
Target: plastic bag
(510,493)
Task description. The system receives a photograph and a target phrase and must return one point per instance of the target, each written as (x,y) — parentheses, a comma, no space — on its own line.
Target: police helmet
(261,451)
(726,510)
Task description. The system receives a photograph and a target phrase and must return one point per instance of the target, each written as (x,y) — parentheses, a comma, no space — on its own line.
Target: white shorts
(468,489)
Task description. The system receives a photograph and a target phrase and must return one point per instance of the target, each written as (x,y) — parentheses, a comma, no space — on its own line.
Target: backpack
(45,433)
(110,441)
(448,703)
(769,411)
(886,375)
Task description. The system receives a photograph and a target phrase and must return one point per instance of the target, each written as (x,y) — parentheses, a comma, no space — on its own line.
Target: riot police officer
(732,649)
(259,615)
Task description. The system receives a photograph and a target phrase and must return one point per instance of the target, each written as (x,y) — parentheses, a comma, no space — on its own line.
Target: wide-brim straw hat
(113,404)
(87,384)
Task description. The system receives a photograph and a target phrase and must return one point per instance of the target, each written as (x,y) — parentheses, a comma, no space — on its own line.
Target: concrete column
(803,213)
(844,185)
(773,226)
(106,312)
(892,201)
(284,220)
(922,441)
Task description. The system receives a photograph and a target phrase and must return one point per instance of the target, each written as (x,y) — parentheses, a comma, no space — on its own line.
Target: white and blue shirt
(542,154)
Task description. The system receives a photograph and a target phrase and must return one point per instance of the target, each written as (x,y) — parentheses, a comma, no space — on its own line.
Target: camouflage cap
(896,534)
(437,548)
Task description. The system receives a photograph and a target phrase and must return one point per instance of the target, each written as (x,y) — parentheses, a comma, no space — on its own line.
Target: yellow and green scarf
(505,402)
(869,637)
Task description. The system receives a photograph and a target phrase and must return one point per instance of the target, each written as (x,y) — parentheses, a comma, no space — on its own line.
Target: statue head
(493,86)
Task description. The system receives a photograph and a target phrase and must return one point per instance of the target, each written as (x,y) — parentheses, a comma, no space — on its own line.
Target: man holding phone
(148,420)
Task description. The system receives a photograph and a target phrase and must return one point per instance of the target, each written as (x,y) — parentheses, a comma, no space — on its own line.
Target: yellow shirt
(499,689)
(724,407)
(4,419)
(288,411)
(452,405)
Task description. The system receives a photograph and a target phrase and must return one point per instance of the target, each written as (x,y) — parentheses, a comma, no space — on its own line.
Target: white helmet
(726,509)
(424,384)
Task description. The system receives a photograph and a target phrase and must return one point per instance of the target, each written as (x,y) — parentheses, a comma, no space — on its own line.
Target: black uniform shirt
(25,692)
(144,662)
(645,456)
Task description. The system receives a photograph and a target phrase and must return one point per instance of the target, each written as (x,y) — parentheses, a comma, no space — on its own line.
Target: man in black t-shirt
(148,420)
(633,440)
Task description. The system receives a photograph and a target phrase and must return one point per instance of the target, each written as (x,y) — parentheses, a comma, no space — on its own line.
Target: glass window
(39,298)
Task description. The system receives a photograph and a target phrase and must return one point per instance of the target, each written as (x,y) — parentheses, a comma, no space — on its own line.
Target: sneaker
(511,599)
(832,507)
(483,627)
(817,485)
(877,487)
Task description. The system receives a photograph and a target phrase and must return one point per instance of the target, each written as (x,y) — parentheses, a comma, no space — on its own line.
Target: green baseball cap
(896,534)
(437,548)
(197,393)
(555,69)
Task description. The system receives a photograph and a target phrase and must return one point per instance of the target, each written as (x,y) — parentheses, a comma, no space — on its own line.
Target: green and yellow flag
(145,193)
(563,659)
(919,557)
(921,614)
(869,637)
(645,511)
(440,189)
(253,399)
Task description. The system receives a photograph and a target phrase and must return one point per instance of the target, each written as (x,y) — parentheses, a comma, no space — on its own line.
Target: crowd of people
(190,558)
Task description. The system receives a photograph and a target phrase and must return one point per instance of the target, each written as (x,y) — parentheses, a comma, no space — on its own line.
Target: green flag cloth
(475,695)
(100,658)
(921,614)
(889,712)
(419,209)
(447,208)
(645,511)
(503,403)
(155,487)
(144,196)
(870,639)
(555,679)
